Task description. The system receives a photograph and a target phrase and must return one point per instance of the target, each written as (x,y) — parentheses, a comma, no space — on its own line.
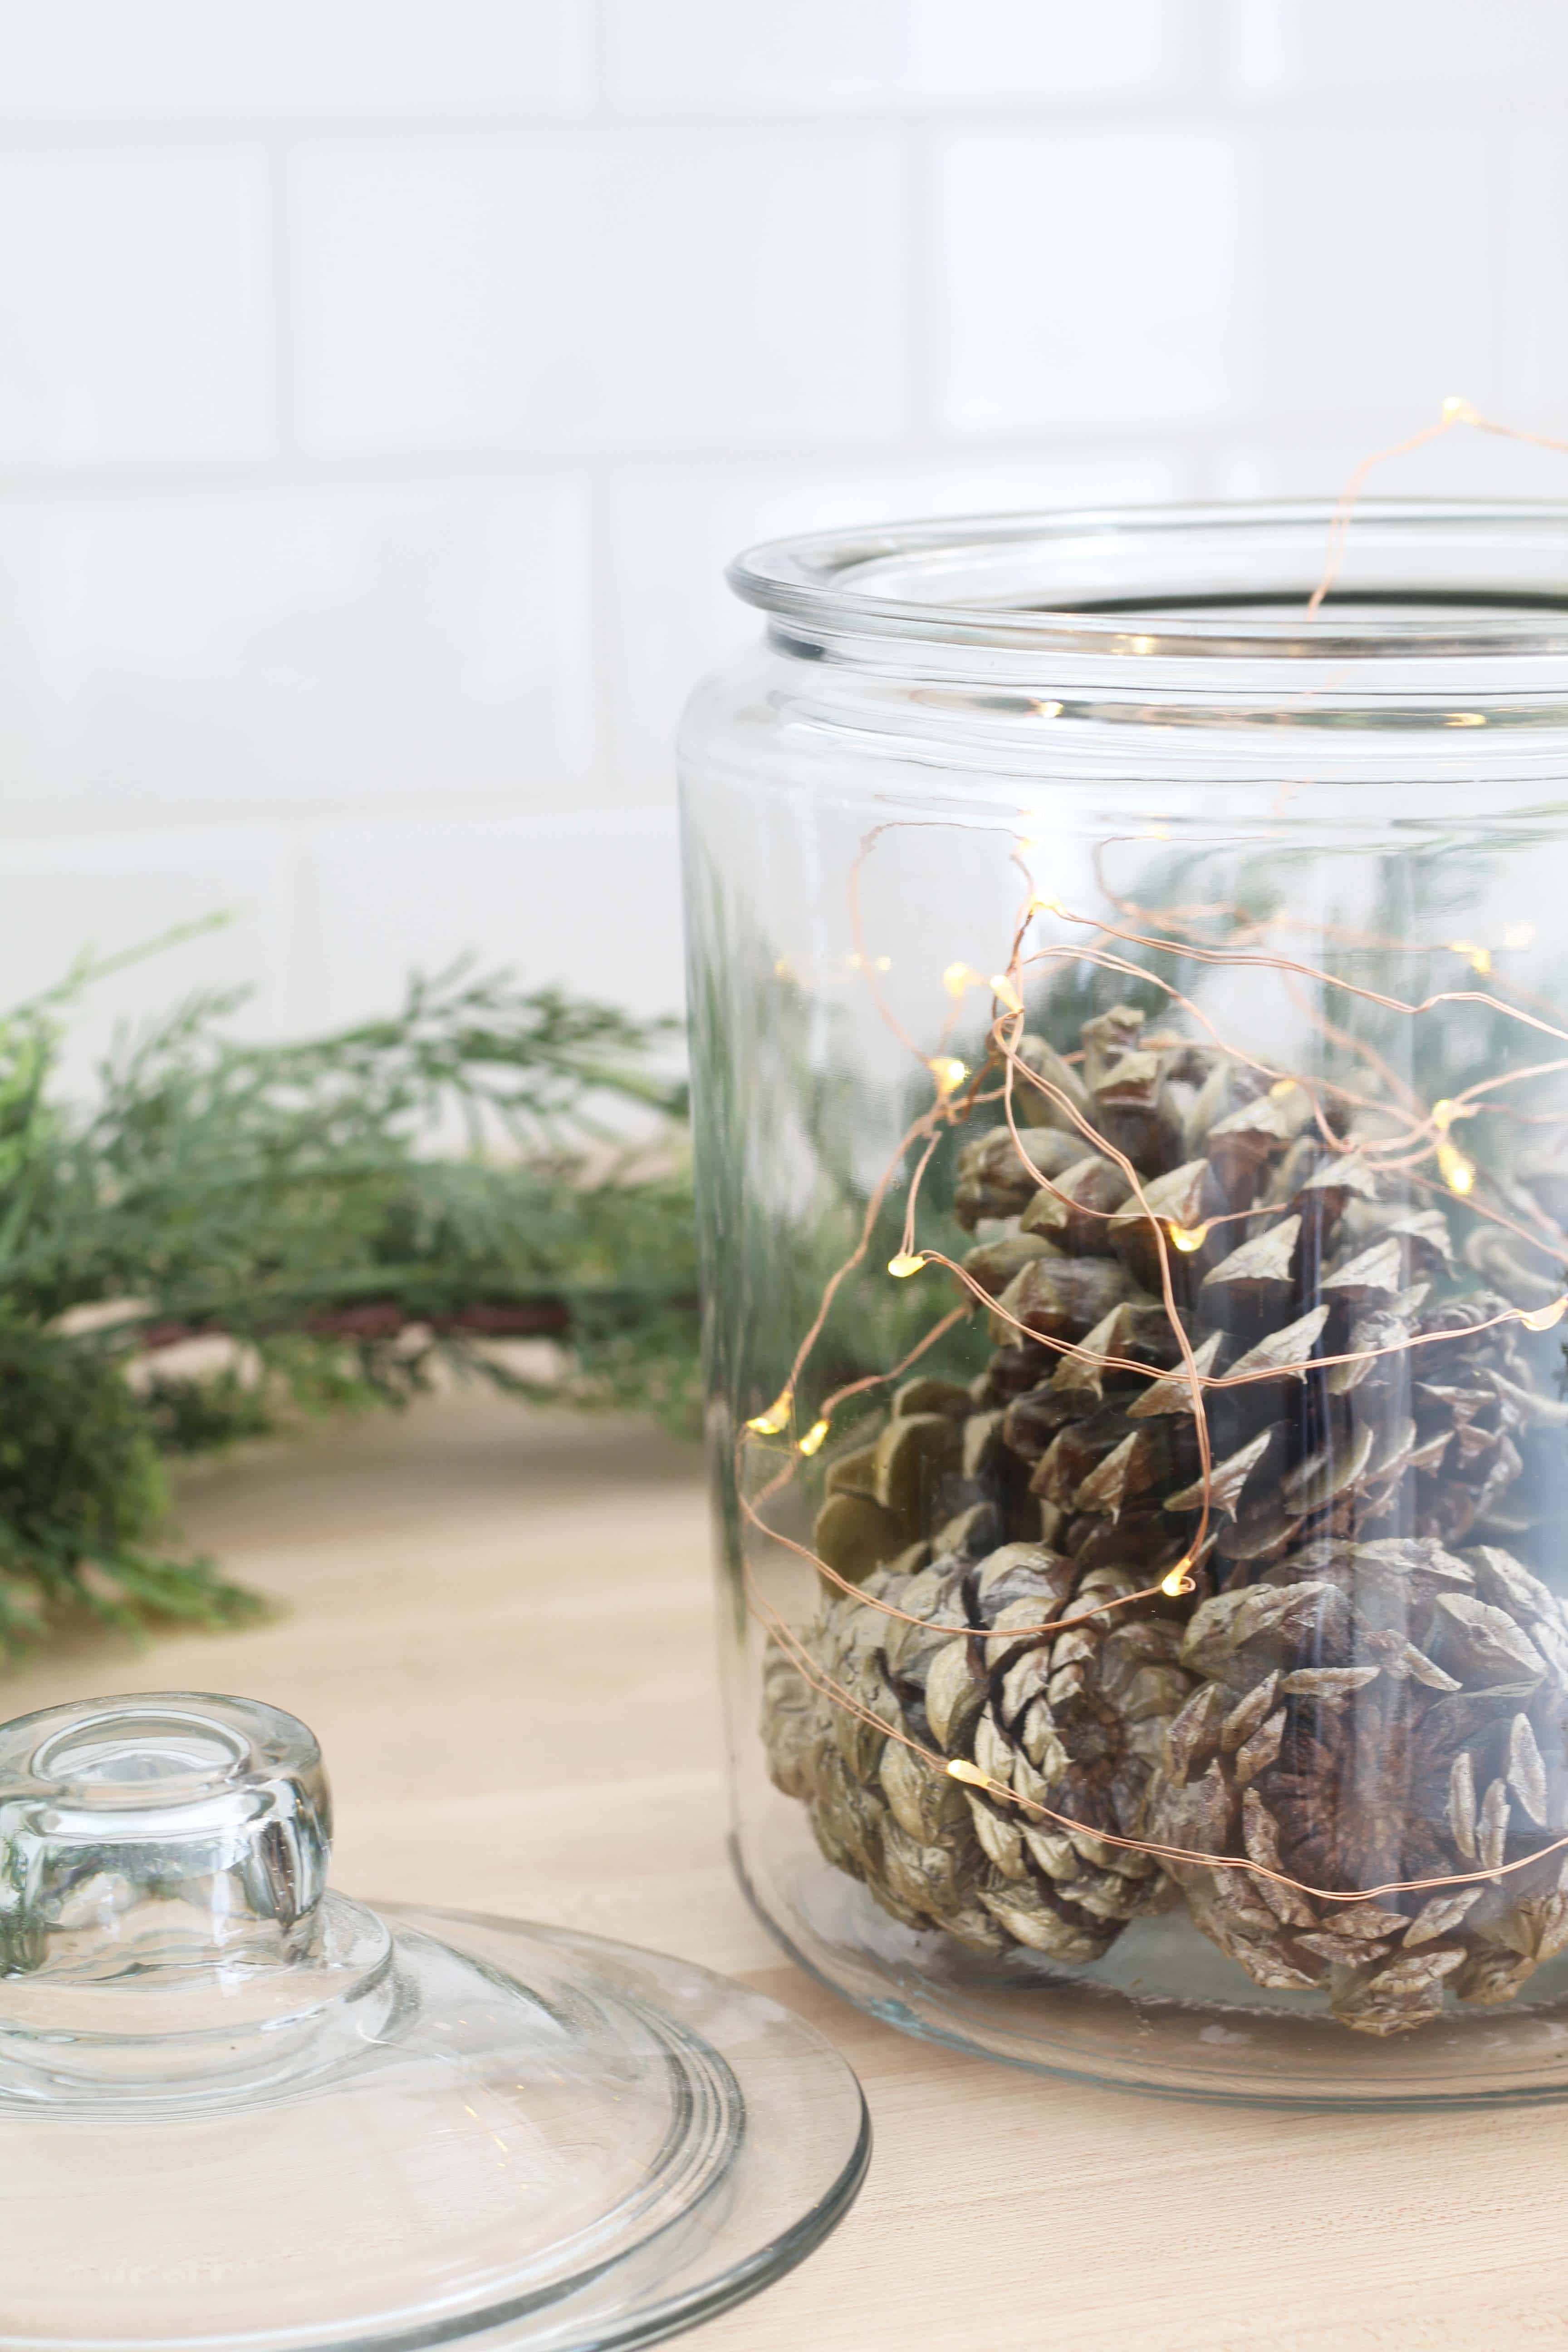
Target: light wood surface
(500,1626)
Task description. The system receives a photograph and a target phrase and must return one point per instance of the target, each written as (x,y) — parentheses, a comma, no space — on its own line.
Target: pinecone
(1372,1713)
(1315,1261)
(1073,1721)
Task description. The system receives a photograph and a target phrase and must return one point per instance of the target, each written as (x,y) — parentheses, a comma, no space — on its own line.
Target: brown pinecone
(1315,1261)
(1073,1721)
(1372,1713)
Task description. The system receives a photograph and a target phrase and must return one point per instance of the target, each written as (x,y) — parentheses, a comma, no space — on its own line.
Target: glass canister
(1130,1026)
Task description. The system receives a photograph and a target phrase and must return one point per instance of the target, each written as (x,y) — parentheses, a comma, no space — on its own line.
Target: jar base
(1207,2033)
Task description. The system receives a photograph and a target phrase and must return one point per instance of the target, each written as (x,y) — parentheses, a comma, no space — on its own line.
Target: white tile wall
(1090,280)
(135,310)
(259,651)
(1533,268)
(1344,44)
(586,894)
(185,59)
(382,388)
(1378,273)
(233,890)
(715,56)
(1462,465)
(660,287)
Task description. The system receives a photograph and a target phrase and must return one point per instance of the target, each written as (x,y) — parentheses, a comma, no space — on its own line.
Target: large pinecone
(1422,1441)
(1073,1721)
(1318,1260)
(1367,1714)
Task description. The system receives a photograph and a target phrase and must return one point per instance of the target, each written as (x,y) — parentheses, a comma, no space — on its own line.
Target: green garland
(352,1213)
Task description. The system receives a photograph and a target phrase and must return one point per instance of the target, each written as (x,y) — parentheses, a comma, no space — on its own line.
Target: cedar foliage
(353,1212)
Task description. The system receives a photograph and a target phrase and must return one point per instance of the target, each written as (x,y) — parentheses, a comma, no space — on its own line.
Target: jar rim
(1417,578)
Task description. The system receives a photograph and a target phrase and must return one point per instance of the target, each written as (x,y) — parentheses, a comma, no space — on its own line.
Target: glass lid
(237,2109)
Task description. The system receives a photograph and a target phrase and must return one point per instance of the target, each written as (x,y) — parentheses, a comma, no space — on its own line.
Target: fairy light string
(1004,1040)
(1419,1139)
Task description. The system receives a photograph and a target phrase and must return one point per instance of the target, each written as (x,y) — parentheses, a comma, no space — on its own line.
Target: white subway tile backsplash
(1531,327)
(1349,46)
(323,925)
(671,531)
(135,317)
(712,55)
(1012,49)
(1315,462)
(662,288)
(114,892)
(590,898)
(1376,290)
(334,578)
(1088,279)
(258,648)
(1266,47)
(186,59)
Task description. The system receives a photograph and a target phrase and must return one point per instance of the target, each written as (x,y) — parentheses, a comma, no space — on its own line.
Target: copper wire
(1454,412)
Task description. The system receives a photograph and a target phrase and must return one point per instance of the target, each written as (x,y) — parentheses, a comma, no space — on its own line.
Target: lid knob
(159,1836)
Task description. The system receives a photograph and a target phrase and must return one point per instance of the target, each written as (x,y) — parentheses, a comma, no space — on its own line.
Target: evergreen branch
(308,1200)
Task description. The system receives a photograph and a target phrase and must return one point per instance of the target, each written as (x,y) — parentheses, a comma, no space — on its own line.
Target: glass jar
(1130,1032)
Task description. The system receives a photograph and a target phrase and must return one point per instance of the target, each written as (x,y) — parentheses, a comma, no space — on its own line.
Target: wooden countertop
(500,1624)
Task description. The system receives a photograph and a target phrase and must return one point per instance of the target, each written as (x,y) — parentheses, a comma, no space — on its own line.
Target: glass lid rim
(809,579)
